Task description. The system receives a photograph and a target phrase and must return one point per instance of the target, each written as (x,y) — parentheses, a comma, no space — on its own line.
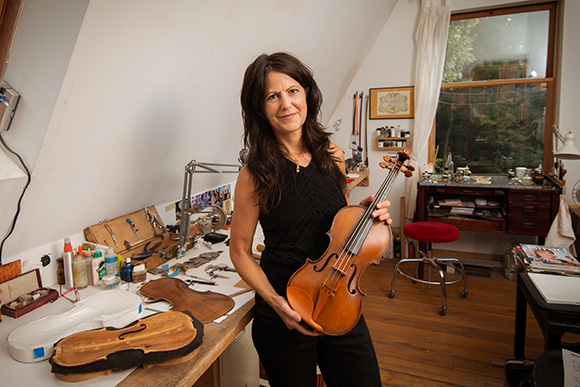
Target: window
(496,104)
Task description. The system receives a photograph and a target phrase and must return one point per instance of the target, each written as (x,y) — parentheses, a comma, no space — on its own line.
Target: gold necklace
(297,161)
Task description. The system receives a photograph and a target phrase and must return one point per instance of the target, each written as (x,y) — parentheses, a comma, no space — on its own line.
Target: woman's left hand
(382,212)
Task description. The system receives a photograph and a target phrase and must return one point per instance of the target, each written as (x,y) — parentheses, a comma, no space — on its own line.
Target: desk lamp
(186,208)
(568,151)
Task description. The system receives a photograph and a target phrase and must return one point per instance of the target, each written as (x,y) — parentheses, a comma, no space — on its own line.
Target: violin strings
(362,228)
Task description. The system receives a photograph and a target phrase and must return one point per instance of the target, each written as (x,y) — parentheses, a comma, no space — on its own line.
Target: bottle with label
(88,260)
(111,262)
(67,259)
(449,165)
(127,271)
(80,271)
(97,266)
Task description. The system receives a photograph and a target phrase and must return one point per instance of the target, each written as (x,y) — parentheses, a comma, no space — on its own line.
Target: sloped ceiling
(152,84)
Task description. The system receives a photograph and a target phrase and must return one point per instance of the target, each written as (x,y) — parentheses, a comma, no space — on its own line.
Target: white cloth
(431,39)
(561,233)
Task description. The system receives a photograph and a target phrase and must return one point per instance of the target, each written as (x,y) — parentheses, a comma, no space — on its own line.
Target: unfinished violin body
(205,306)
(160,339)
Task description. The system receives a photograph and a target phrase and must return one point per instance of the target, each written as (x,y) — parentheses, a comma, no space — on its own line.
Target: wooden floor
(466,347)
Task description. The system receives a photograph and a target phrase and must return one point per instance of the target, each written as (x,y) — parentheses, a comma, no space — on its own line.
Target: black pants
(290,357)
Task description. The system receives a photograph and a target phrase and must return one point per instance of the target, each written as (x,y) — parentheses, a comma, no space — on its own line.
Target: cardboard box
(135,241)
(25,293)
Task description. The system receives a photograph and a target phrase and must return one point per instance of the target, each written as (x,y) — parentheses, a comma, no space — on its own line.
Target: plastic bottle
(127,271)
(96,265)
(67,258)
(88,260)
(80,271)
(449,164)
(111,262)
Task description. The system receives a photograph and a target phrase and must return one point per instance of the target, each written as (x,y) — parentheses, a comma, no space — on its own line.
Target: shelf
(361,180)
(392,140)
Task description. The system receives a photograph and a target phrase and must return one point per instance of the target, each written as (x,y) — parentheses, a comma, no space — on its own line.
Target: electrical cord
(28,178)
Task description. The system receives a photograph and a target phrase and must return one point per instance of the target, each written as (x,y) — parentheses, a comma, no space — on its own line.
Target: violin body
(161,339)
(325,293)
(205,306)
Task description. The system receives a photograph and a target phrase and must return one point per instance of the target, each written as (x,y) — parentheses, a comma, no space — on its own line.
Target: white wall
(391,63)
(149,86)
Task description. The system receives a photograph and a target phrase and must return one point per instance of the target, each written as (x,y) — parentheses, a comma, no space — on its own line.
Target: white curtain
(431,41)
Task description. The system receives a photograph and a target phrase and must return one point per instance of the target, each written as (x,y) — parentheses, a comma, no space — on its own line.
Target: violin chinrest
(303,304)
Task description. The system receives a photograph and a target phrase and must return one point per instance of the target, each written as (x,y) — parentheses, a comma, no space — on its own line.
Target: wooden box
(146,236)
(25,293)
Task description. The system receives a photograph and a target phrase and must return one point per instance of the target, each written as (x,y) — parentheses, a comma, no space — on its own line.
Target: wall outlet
(9,99)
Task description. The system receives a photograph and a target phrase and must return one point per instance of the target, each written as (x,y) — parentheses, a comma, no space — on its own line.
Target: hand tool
(132,227)
(154,221)
(108,228)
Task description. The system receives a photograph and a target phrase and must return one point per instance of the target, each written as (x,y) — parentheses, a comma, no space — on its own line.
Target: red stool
(432,232)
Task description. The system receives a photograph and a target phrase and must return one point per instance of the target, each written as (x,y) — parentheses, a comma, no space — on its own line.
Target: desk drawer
(526,198)
(528,225)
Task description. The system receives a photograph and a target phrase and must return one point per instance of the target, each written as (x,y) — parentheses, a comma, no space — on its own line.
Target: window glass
(512,46)
(492,107)
(492,128)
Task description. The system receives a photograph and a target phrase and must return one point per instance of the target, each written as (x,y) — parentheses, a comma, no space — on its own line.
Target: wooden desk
(554,319)
(518,209)
(215,340)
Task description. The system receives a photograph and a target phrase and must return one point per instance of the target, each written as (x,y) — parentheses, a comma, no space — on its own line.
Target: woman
(293,183)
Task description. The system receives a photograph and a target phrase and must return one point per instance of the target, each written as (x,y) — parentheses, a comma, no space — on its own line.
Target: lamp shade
(569,150)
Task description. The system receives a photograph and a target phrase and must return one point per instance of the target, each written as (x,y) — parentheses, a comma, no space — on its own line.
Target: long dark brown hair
(265,159)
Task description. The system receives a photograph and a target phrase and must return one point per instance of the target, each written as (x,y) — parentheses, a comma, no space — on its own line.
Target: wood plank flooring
(466,347)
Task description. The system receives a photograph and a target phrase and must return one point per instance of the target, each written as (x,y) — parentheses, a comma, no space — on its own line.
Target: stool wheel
(443,310)
(464,294)
(391,294)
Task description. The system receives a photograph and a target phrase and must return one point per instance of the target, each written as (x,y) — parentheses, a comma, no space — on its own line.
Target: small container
(139,273)
(80,271)
(97,267)
(111,262)
(109,282)
(127,271)
(60,271)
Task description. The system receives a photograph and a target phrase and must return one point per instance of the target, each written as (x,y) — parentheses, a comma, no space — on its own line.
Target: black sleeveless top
(296,229)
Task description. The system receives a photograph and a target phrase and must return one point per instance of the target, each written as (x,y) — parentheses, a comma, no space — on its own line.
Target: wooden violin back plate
(157,339)
(205,306)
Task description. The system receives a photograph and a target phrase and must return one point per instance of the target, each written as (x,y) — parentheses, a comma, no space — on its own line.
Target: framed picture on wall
(394,102)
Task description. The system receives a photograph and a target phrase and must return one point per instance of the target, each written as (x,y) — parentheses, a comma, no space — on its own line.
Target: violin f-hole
(325,263)
(142,327)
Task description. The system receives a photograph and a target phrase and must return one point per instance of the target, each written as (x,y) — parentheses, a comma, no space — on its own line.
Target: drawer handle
(528,225)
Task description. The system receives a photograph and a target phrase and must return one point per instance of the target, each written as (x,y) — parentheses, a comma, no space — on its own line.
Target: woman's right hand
(291,318)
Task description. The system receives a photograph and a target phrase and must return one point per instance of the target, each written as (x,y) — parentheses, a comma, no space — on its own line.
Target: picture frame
(392,102)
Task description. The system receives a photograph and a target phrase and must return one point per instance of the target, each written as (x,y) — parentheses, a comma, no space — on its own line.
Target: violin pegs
(387,158)
(410,167)
(408,173)
(383,165)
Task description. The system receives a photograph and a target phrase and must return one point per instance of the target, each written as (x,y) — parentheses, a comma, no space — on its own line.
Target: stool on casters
(432,232)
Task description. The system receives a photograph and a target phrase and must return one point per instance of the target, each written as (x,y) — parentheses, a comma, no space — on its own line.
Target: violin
(326,292)
(206,306)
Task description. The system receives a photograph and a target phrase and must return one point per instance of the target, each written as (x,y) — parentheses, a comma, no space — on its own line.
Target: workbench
(218,335)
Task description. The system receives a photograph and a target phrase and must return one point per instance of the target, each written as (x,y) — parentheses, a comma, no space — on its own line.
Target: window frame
(550,78)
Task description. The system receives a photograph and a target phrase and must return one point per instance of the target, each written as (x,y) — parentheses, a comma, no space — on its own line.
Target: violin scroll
(392,162)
